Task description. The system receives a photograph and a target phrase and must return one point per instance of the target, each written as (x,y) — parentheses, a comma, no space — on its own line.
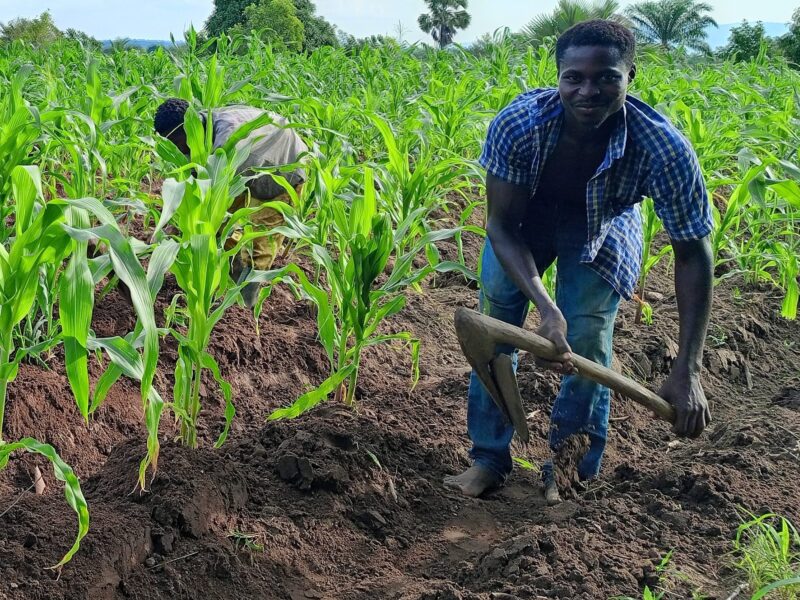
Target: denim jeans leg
(589,304)
(489,431)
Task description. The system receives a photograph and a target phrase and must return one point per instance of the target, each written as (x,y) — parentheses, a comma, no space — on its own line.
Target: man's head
(595,66)
(168,122)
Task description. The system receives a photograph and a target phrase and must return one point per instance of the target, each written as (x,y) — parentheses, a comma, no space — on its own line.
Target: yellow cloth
(265,248)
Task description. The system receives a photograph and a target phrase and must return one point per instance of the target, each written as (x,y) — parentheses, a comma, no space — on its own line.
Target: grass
(767,551)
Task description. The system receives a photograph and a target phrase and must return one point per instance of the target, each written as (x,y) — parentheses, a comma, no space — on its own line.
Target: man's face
(592,83)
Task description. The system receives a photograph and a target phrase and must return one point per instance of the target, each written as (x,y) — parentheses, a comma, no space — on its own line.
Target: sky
(156,19)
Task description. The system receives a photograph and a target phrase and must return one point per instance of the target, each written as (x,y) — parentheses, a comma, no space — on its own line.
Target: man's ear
(632,73)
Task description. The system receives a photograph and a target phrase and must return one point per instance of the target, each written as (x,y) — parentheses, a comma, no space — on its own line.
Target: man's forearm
(518,263)
(694,275)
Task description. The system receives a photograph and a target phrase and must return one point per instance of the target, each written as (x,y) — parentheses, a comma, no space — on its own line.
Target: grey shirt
(273,146)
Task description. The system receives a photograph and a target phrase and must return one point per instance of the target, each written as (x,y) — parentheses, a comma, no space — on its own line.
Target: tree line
(668,24)
(295,25)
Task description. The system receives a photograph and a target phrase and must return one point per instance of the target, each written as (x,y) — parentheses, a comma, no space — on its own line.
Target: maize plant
(410,182)
(353,303)
(39,238)
(136,354)
(197,207)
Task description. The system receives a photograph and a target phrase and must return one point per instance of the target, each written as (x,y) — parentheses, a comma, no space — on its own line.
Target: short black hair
(170,116)
(598,32)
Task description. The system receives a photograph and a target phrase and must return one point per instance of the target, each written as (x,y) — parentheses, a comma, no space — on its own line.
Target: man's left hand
(683,391)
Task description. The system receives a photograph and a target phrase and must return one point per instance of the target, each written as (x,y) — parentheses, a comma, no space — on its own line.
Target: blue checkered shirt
(646,157)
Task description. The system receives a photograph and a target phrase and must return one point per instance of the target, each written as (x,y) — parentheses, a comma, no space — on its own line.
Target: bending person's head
(168,122)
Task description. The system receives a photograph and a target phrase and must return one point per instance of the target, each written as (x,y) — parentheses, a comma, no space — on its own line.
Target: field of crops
(297,451)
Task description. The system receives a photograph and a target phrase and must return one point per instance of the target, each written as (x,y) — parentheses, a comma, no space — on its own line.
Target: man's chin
(592,117)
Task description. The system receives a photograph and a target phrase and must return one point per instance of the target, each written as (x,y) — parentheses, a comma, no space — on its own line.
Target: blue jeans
(589,305)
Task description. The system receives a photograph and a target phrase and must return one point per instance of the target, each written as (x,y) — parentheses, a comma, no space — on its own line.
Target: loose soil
(343,504)
(566,460)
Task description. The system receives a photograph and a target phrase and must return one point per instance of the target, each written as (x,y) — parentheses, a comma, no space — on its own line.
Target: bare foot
(474,481)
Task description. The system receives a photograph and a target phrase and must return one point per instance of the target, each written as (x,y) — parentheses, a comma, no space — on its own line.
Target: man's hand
(554,328)
(683,391)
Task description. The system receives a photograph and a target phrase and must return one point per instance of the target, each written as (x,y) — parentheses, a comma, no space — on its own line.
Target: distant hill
(144,44)
(718,36)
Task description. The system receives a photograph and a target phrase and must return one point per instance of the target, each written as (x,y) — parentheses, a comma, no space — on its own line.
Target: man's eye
(611,78)
(571,77)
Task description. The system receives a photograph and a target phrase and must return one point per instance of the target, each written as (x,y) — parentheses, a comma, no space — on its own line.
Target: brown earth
(349,505)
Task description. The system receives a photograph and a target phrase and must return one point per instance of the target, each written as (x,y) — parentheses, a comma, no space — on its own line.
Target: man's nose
(589,89)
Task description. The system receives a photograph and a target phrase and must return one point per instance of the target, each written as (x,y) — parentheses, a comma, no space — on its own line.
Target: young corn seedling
(659,592)
(62,227)
(198,208)
(122,255)
(353,303)
(18,132)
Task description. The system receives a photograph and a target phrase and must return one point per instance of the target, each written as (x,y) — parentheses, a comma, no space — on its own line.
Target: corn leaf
(310,399)
(76,299)
(63,472)
(172,194)
(783,583)
(211,364)
(196,136)
(26,182)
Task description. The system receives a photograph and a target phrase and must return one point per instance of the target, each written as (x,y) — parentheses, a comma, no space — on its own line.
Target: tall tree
(316,30)
(39,31)
(671,23)
(789,43)
(566,14)
(445,18)
(745,41)
(277,21)
(225,15)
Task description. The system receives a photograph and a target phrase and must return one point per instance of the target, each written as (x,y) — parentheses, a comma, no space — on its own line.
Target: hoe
(479,336)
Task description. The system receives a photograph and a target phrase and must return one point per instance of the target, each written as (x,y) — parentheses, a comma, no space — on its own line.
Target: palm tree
(118,45)
(567,14)
(444,19)
(671,23)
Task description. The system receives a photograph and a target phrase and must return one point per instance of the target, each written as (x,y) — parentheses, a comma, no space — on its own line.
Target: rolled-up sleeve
(680,197)
(507,153)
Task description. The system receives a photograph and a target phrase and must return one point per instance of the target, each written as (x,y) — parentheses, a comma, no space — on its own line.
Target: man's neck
(590,135)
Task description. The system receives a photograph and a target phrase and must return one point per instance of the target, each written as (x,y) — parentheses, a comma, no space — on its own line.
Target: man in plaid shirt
(566,169)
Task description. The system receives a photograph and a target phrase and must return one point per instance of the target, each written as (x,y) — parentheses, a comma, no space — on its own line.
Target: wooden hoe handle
(484,329)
